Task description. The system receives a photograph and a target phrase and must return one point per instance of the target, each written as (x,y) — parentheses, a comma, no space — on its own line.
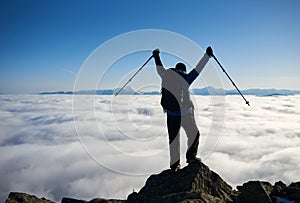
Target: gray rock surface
(196,182)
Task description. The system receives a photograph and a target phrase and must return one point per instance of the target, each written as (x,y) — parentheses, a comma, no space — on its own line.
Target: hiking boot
(175,168)
(193,160)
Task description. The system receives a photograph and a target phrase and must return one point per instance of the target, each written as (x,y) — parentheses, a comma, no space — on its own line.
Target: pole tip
(247,102)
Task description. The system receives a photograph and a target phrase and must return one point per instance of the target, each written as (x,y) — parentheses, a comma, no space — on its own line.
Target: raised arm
(200,66)
(159,66)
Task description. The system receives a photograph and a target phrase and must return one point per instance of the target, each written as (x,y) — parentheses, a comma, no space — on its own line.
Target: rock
(97,200)
(259,191)
(255,191)
(71,200)
(280,184)
(279,189)
(196,182)
(295,184)
(293,191)
(16,197)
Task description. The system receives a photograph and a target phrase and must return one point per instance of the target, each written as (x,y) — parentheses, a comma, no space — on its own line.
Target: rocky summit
(195,183)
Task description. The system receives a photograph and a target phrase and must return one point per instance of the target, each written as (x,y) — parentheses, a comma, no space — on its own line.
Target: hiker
(178,106)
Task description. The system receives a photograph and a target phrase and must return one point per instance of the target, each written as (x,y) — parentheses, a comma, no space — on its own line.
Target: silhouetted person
(179,107)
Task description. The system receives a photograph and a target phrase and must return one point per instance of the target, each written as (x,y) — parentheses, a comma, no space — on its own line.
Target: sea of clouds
(87,146)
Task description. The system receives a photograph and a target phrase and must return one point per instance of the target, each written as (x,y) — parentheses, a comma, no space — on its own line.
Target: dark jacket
(175,86)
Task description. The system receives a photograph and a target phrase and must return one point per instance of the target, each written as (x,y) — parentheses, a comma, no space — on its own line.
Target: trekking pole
(247,102)
(133,76)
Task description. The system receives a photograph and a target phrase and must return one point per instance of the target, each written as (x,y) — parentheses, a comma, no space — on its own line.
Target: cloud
(104,146)
(57,171)
(260,142)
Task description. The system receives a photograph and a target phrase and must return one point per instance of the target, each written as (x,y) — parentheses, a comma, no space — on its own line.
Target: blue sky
(44,43)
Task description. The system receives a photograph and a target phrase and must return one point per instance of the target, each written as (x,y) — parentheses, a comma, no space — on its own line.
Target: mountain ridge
(209,90)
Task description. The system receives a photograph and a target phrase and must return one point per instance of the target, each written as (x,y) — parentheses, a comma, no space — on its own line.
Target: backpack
(172,90)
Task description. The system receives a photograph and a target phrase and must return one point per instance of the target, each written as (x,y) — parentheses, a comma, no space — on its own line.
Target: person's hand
(209,51)
(155,53)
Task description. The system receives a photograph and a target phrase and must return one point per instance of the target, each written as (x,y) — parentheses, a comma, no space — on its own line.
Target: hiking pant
(189,125)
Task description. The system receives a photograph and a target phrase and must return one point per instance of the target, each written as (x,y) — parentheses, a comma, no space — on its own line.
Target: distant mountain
(208,91)
(266,92)
(196,91)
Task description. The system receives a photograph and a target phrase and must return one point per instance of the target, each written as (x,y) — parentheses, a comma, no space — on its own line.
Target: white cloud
(127,140)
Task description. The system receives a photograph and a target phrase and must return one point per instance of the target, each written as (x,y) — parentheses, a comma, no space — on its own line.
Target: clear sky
(44,43)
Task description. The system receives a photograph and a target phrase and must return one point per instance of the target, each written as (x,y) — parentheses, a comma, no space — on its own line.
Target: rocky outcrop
(255,191)
(17,197)
(196,182)
(96,200)
(264,192)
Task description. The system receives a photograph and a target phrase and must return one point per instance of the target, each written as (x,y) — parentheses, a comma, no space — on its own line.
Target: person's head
(180,67)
